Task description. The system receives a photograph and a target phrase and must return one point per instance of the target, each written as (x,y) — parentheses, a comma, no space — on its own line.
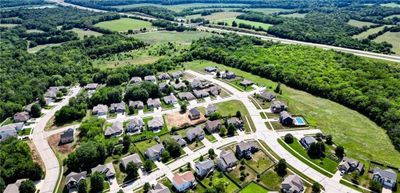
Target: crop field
(391,37)
(365,34)
(167,36)
(82,33)
(361,138)
(177,8)
(255,24)
(124,24)
(294,15)
(357,23)
(217,16)
(269,10)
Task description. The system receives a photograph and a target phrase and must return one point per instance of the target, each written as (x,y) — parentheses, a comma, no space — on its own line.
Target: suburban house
(194,113)
(150,78)
(135,158)
(186,96)
(153,103)
(154,152)
(210,69)
(10,130)
(91,86)
(200,83)
(159,188)
(179,139)
(136,104)
(100,110)
(107,170)
(246,149)
(21,117)
(267,96)
(183,181)
(136,79)
(156,124)
(116,129)
(213,126)
(246,82)
(214,90)
(235,122)
(201,93)
(180,86)
(387,177)
(163,87)
(118,107)
(135,125)
(211,108)
(163,76)
(170,99)
(73,178)
(176,75)
(285,118)
(195,133)
(67,136)
(350,165)
(14,187)
(228,75)
(204,168)
(227,160)
(292,184)
(307,141)
(278,106)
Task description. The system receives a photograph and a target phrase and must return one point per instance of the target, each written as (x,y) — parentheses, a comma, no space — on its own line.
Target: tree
(218,74)
(173,148)
(201,158)
(36,110)
(375,186)
(281,168)
(27,186)
(146,187)
(316,149)
(165,156)
(183,108)
(86,156)
(211,153)
(96,182)
(126,142)
(289,139)
(147,165)
(231,130)
(278,88)
(82,187)
(339,151)
(238,114)
(132,170)
(328,140)
(234,24)
(222,131)
(316,187)
(42,101)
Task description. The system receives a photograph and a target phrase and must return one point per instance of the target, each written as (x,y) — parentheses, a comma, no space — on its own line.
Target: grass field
(253,187)
(269,10)
(365,34)
(34,31)
(217,178)
(167,36)
(392,16)
(81,33)
(361,138)
(255,24)
(391,5)
(176,8)
(391,37)
(8,25)
(217,16)
(39,47)
(124,24)
(229,108)
(357,23)
(295,15)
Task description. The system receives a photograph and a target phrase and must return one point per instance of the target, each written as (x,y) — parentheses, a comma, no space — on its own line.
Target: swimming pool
(299,121)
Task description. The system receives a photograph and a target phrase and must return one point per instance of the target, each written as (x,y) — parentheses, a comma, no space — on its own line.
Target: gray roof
(135,122)
(163,76)
(210,125)
(107,169)
(135,158)
(386,174)
(176,74)
(201,93)
(159,188)
(200,83)
(136,104)
(162,86)
(21,116)
(211,108)
(309,140)
(136,79)
(210,68)
(194,112)
(246,82)
(179,86)
(68,133)
(284,115)
(14,187)
(116,128)
(198,130)
(186,95)
(295,183)
(154,150)
(170,99)
(277,103)
(153,102)
(214,90)
(150,78)
(205,165)
(10,130)
(100,108)
(243,146)
(267,95)
(156,122)
(228,157)
(91,86)
(234,121)
(179,140)
(118,106)
(75,177)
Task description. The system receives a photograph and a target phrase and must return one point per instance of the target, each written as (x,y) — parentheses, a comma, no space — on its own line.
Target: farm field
(269,10)
(256,24)
(81,33)
(392,16)
(167,36)
(390,5)
(124,24)
(216,16)
(391,37)
(362,138)
(365,34)
(295,15)
(357,23)
(39,47)
(176,8)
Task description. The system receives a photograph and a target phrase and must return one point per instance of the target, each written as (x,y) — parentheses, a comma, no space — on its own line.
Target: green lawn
(210,138)
(361,138)
(229,108)
(185,37)
(271,180)
(82,33)
(236,83)
(217,178)
(324,163)
(392,16)
(238,21)
(392,38)
(260,162)
(25,132)
(124,24)
(235,175)
(253,188)
(357,23)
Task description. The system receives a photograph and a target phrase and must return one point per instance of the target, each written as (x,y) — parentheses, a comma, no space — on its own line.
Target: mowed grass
(392,38)
(294,15)
(252,188)
(216,178)
(365,34)
(124,24)
(252,23)
(179,7)
(167,36)
(357,23)
(361,138)
(217,16)
(269,10)
(82,33)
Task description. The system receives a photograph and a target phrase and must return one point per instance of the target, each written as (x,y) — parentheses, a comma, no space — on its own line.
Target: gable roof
(205,165)
(198,130)
(159,188)
(118,106)
(228,157)
(294,182)
(153,102)
(91,86)
(107,169)
(75,177)
(156,122)
(194,112)
(21,116)
(285,115)
(170,99)
(181,178)
(211,108)
(386,174)
(100,108)
(117,127)
(68,133)
(267,95)
(14,187)
(186,95)
(136,79)
(309,140)
(150,78)
(135,158)
(154,150)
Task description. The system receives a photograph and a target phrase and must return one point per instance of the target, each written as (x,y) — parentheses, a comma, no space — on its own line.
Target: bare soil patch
(181,120)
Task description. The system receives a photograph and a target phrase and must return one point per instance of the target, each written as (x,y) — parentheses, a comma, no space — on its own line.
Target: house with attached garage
(267,96)
(136,104)
(159,188)
(285,118)
(183,181)
(227,160)
(178,139)
(176,75)
(186,96)
(154,153)
(153,103)
(228,75)
(115,130)
(72,179)
(201,93)
(136,79)
(194,113)
(236,122)
(10,130)
(107,170)
(278,106)
(163,87)
(135,125)
(180,86)
(292,184)
(156,124)
(246,82)
(210,109)
(14,187)
(100,110)
(118,107)
(195,133)
(350,165)
(200,83)
(67,136)
(91,86)
(246,149)
(163,76)
(21,117)
(135,158)
(387,177)
(213,126)
(150,78)
(210,69)
(307,141)
(214,90)
(170,99)
(204,168)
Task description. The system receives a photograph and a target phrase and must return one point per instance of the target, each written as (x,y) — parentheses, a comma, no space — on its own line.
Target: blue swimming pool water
(300,121)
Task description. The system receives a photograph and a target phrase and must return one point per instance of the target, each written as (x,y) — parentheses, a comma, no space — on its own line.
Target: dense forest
(14,3)
(368,86)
